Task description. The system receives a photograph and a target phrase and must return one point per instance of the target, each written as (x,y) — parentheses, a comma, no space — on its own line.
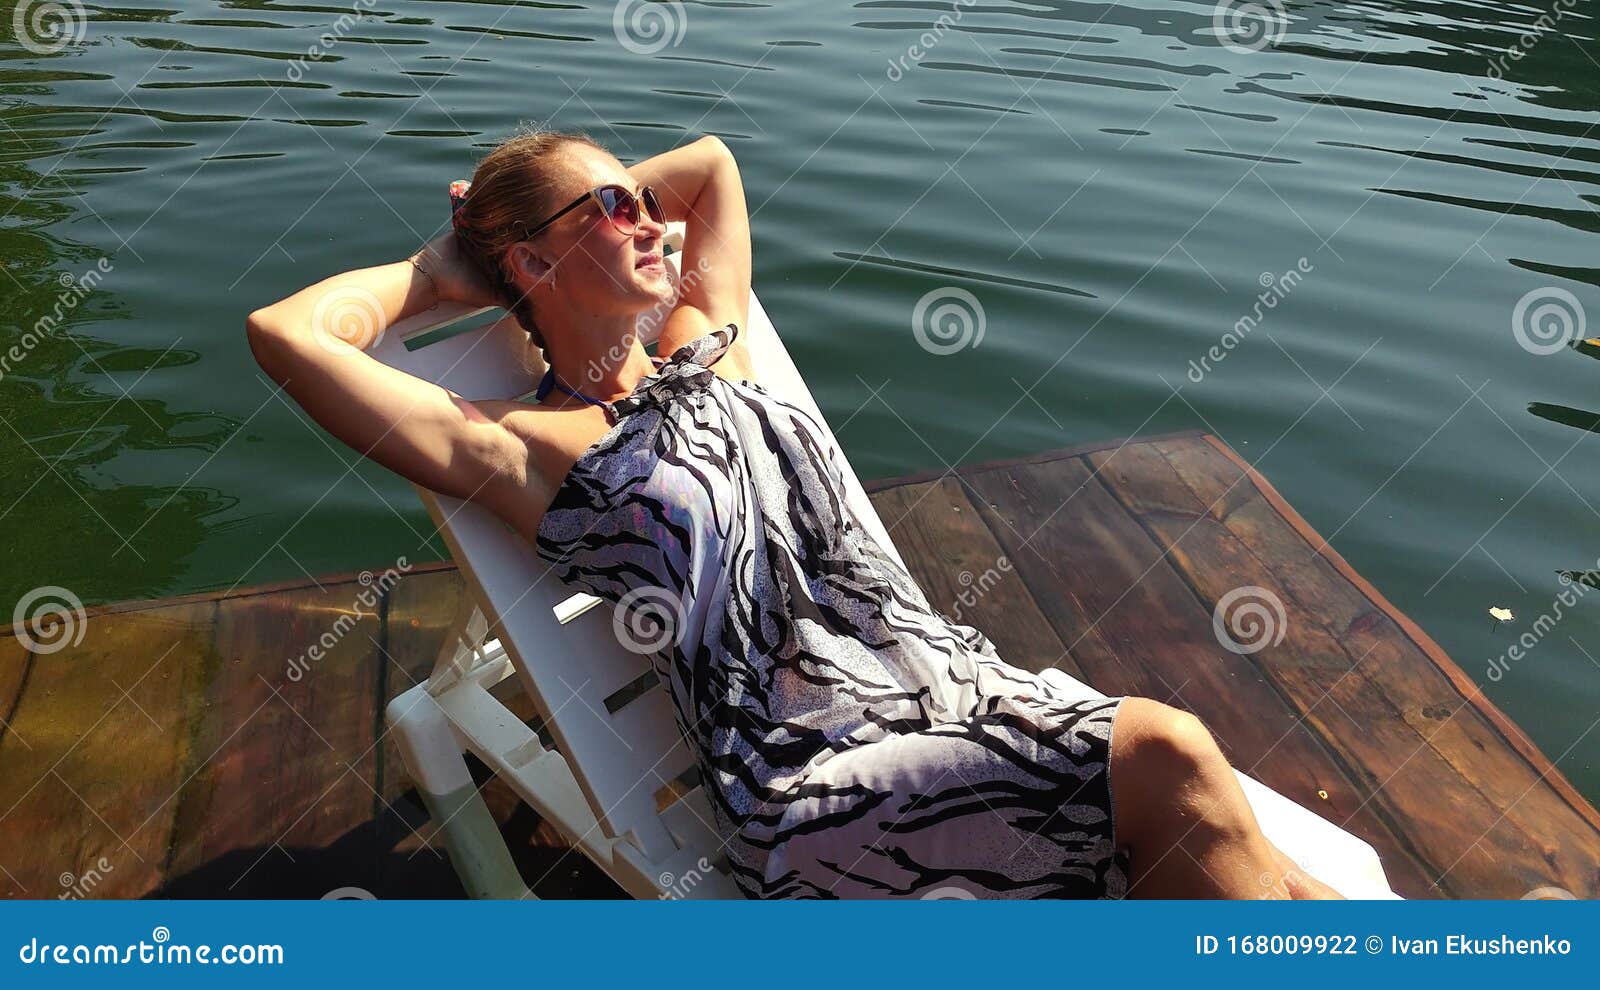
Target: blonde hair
(512,190)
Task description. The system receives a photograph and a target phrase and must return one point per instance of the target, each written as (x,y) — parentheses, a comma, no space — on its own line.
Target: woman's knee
(1167,773)
(1154,740)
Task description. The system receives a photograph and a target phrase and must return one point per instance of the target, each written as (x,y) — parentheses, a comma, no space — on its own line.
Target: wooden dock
(172,754)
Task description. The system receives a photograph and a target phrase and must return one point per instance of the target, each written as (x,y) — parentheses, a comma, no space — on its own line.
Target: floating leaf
(1501,614)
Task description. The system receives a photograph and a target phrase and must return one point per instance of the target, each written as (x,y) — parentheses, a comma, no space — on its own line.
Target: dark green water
(1109,182)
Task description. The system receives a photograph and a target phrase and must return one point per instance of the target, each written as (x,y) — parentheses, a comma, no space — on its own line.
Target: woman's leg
(1183,817)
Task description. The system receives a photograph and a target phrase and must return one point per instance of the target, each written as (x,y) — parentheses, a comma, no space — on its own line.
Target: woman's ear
(524,261)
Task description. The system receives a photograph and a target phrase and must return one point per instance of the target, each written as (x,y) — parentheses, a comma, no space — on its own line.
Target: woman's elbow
(718,149)
(267,343)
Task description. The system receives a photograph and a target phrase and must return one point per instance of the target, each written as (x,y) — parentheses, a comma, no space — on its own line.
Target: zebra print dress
(853,741)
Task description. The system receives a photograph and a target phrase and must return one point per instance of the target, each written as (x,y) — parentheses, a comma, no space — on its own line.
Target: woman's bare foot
(1302,886)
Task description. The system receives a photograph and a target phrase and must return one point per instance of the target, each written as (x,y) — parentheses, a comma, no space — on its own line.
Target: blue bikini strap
(549,381)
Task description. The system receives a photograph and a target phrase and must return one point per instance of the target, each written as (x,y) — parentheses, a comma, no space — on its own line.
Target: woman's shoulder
(723,346)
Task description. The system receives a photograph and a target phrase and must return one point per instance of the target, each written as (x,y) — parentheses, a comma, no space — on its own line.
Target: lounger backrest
(610,718)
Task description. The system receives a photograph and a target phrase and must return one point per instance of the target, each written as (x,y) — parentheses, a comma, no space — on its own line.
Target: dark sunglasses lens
(620,207)
(653,205)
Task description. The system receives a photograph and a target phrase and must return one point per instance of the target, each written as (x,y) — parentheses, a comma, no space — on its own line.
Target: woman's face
(597,269)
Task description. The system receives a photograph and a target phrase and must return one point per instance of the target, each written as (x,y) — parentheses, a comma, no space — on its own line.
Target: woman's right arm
(421,431)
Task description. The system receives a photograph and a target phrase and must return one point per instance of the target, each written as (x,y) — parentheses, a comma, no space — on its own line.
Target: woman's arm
(310,343)
(699,183)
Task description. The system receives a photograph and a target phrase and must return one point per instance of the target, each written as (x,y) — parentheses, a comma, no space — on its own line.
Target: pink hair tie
(458,199)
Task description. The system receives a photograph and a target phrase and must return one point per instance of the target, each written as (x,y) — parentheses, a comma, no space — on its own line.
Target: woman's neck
(599,356)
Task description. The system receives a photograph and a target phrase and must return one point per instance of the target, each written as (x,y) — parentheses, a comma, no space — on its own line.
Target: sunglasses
(617,205)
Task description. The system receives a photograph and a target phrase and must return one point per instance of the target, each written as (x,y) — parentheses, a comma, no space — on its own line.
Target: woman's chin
(656,283)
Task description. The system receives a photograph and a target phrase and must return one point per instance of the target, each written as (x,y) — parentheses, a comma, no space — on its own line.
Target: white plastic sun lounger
(608,785)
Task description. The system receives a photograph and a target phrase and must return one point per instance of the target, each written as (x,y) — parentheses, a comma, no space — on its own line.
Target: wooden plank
(245,591)
(1016,463)
(1342,680)
(1524,807)
(14,662)
(280,798)
(965,574)
(1463,684)
(1084,547)
(98,746)
(1310,667)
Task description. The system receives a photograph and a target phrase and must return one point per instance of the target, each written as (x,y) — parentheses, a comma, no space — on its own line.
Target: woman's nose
(649,228)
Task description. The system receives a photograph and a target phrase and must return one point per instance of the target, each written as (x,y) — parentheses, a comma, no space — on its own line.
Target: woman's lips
(650,261)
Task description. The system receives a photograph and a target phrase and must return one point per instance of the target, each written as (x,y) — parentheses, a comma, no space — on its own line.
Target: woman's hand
(454,274)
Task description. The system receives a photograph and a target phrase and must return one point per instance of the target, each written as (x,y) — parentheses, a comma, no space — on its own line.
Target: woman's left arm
(699,184)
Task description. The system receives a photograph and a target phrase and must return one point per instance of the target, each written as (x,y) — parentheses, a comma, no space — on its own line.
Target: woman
(854,741)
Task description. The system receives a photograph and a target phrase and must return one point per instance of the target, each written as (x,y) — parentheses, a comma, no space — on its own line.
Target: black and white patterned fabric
(853,741)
